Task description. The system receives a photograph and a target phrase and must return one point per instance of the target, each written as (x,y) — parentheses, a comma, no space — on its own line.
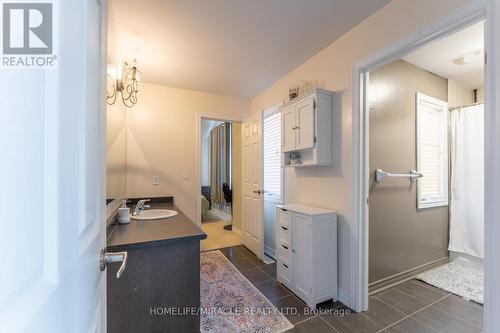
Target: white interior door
(52,173)
(252,217)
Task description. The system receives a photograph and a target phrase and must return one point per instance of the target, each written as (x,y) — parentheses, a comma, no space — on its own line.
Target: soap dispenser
(124,213)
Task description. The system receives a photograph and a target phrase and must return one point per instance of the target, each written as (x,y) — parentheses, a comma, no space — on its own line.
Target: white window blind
(432,151)
(272,156)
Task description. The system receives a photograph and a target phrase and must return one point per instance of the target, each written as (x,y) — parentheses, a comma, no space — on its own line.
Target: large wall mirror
(116,156)
(116,130)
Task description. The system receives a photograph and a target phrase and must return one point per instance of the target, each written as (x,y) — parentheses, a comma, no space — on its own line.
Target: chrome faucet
(140,206)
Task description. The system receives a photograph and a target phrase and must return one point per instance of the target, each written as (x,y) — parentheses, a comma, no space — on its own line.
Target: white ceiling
(438,56)
(230,47)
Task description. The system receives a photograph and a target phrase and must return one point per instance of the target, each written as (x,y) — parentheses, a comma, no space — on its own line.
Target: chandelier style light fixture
(127,85)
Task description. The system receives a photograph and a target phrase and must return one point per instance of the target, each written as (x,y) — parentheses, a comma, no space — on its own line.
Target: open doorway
(220,157)
(426,185)
(272,176)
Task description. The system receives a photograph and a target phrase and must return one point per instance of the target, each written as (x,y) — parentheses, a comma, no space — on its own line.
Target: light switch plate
(156,180)
(185,175)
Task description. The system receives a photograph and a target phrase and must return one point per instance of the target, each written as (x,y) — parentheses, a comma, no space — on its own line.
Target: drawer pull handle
(284,228)
(284,210)
(286,266)
(286,247)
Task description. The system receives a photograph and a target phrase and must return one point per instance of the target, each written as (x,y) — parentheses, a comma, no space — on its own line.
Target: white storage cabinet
(306,127)
(306,241)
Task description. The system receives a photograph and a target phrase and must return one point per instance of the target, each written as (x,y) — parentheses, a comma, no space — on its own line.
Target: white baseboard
(237,231)
(344,297)
(270,251)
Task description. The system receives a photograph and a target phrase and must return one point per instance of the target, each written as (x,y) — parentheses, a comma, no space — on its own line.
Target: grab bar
(381,174)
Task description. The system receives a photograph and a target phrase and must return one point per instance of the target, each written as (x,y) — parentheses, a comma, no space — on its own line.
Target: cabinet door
(288,123)
(305,124)
(301,261)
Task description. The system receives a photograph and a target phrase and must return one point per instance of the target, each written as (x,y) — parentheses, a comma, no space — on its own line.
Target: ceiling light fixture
(469,57)
(128,85)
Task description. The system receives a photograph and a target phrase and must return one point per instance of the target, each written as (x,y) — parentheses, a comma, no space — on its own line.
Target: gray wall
(401,237)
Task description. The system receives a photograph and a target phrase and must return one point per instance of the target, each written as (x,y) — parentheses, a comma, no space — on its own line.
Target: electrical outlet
(156,180)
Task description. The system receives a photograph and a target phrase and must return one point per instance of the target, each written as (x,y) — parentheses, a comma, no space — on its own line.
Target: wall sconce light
(128,85)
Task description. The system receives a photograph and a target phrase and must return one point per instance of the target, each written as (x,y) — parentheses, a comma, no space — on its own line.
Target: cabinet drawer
(284,234)
(285,251)
(284,273)
(284,217)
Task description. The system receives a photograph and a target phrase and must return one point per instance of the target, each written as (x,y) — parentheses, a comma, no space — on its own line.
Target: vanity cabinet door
(288,123)
(305,124)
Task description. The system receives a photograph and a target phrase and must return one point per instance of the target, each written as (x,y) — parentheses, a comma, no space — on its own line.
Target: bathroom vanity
(160,286)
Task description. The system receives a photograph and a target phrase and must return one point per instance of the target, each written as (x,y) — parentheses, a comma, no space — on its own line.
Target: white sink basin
(154,214)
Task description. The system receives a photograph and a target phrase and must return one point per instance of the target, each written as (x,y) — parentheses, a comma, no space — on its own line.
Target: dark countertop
(154,232)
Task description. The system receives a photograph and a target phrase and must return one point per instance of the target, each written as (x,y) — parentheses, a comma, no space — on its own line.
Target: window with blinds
(432,151)
(272,156)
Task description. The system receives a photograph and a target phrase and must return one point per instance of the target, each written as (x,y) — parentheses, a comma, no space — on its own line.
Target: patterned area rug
(230,303)
(459,277)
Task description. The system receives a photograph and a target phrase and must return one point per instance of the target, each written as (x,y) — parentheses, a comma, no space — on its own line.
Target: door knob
(109,257)
(257,192)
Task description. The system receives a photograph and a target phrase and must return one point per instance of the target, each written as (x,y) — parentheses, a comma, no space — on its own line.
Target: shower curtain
(220,163)
(467,181)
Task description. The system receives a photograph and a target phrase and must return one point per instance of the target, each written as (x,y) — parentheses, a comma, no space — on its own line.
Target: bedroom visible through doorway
(220,174)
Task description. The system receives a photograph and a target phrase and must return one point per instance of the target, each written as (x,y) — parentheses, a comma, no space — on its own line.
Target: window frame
(443,106)
(270,197)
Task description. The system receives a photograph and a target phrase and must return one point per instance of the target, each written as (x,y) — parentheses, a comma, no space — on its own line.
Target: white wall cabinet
(306,241)
(305,131)
(306,127)
(288,123)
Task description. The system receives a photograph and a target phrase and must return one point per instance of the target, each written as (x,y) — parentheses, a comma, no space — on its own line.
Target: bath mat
(460,277)
(230,303)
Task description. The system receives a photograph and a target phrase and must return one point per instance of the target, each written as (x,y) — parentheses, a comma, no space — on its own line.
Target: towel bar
(381,174)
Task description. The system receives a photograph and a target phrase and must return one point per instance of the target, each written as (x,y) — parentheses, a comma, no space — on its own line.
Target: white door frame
(455,21)
(197,151)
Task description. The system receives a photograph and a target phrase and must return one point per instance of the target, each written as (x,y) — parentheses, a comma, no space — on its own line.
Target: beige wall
(401,237)
(330,187)
(236,160)
(161,138)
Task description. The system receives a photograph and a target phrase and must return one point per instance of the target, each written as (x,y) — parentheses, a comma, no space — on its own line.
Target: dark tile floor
(411,307)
